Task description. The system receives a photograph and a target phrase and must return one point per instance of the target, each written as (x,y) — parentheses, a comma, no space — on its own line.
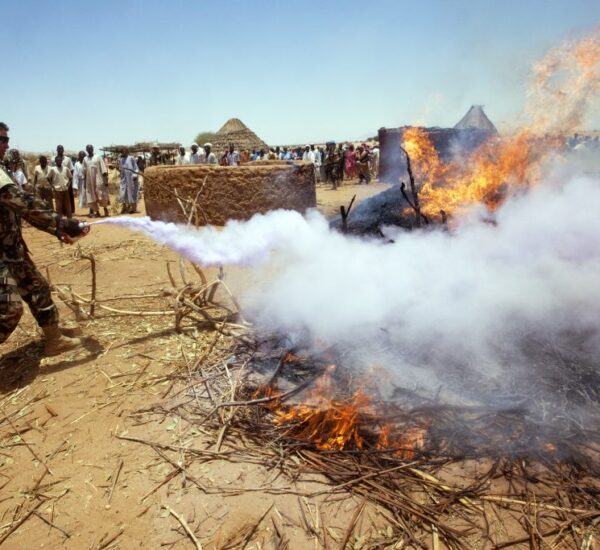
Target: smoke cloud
(486,309)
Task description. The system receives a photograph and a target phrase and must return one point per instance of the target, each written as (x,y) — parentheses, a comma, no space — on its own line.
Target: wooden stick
(115,479)
(352,524)
(345,212)
(92,261)
(185,526)
(27,444)
(413,188)
(247,538)
(112,539)
(20,522)
(47,521)
(506,500)
(549,533)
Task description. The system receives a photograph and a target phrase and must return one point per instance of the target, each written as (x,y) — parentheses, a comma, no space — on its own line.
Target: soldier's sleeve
(30,208)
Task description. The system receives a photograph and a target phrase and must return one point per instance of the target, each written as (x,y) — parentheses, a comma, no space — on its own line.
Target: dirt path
(68,480)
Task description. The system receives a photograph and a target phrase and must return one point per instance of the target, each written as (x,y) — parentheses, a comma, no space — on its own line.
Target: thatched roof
(476,119)
(142,147)
(236,132)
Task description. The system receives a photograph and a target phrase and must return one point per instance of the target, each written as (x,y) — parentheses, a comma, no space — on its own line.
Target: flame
(406,443)
(486,177)
(564,86)
(335,424)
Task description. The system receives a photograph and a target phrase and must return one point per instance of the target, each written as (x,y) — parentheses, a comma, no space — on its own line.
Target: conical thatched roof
(476,119)
(236,132)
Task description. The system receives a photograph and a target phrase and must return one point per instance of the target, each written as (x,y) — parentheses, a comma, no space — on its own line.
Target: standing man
(308,155)
(17,173)
(129,182)
(195,155)
(66,160)
(332,164)
(318,162)
(79,180)
(156,157)
(342,167)
(209,158)
(67,163)
(15,158)
(233,157)
(41,182)
(375,161)
(62,180)
(19,278)
(96,182)
(181,157)
(362,165)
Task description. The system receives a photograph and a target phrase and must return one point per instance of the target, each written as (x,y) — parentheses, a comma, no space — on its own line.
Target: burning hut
(471,131)
(236,132)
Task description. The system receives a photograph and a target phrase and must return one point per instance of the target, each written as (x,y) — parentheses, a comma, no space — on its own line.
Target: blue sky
(129,70)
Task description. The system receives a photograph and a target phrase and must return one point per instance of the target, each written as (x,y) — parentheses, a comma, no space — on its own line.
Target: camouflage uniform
(332,166)
(156,159)
(19,278)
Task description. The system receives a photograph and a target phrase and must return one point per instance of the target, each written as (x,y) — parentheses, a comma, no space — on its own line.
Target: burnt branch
(345,212)
(413,189)
(417,210)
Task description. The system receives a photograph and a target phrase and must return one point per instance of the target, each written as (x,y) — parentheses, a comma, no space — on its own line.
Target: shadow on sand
(20,367)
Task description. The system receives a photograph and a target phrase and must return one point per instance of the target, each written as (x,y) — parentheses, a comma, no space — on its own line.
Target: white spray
(431,304)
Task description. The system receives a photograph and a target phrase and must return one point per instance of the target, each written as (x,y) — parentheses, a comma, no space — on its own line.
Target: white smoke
(495,305)
(431,301)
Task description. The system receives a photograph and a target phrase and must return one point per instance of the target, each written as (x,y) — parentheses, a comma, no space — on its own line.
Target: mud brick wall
(224,192)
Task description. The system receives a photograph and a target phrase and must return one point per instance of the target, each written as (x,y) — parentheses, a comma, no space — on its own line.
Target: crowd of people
(333,163)
(62,180)
(58,179)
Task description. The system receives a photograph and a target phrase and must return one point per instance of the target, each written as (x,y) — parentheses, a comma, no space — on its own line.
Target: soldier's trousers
(22,281)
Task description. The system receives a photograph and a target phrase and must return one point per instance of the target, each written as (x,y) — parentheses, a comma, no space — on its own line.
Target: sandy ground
(68,481)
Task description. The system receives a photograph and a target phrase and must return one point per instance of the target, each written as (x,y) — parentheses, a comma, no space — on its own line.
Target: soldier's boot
(56,342)
(71,332)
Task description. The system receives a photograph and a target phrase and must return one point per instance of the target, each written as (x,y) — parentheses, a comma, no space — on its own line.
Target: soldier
(332,164)
(362,164)
(19,278)
(156,157)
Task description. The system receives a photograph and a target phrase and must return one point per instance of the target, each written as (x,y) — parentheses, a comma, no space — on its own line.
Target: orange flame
(484,178)
(333,424)
(406,443)
(565,84)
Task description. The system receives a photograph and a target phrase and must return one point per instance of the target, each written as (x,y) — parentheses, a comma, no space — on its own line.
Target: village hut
(236,132)
(476,119)
(471,131)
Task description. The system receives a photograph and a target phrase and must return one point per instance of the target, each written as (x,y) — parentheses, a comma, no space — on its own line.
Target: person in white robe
(79,180)
(196,155)
(129,180)
(209,157)
(182,157)
(96,182)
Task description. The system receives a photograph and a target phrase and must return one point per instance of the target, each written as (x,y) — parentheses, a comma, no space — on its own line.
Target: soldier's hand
(71,230)
(66,239)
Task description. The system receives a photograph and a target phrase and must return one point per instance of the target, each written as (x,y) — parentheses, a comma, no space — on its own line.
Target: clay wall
(227,192)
